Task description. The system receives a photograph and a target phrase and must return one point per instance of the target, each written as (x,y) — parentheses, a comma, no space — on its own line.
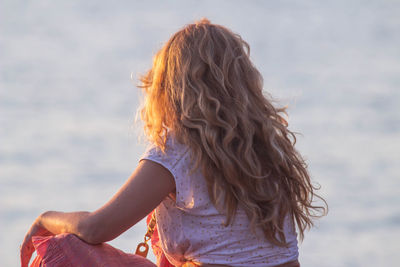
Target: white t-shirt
(191,228)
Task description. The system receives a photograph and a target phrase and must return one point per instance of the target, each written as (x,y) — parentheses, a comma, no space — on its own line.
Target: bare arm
(149,184)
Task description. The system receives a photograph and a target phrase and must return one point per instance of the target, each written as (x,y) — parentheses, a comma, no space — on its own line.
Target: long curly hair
(204,88)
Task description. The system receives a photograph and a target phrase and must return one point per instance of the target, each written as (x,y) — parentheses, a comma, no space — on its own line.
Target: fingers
(27,247)
(26,252)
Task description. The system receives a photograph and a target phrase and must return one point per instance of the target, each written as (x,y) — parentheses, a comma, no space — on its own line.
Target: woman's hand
(27,248)
(148,185)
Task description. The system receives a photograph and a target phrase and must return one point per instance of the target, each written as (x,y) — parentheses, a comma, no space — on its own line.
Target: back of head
(204,88)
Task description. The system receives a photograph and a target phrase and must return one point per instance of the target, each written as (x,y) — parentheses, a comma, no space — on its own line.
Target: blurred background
(67,106)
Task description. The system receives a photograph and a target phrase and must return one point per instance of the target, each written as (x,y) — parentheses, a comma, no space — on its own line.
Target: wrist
(40,220)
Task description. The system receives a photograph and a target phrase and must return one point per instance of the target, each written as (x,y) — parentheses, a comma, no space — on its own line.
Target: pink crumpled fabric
(67,250)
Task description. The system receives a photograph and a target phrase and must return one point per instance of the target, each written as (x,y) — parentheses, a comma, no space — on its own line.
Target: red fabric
(162,261)
(67,250)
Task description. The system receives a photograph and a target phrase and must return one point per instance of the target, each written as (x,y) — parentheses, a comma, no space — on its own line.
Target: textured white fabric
(191,229)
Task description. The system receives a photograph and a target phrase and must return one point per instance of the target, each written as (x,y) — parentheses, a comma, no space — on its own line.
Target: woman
(227,184)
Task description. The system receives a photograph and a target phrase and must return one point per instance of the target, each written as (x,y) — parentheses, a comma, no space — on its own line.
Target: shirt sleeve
(173,159)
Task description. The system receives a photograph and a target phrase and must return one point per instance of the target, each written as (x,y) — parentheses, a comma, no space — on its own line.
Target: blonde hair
(204,88)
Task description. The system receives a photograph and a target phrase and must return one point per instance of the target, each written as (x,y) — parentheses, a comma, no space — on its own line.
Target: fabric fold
(67,250)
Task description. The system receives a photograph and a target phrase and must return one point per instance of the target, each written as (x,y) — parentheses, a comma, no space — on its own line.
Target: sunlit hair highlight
(204,89)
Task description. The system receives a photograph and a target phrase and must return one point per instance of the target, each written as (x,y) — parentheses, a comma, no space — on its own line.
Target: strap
(142,248)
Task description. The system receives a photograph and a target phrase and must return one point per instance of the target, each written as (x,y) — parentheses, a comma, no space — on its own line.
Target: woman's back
(192,229)
(204,89)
